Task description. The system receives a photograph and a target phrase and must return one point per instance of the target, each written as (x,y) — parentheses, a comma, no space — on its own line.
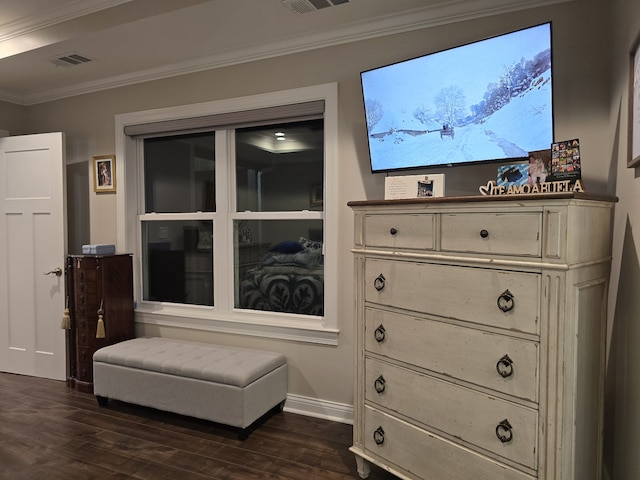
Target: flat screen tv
(487,101)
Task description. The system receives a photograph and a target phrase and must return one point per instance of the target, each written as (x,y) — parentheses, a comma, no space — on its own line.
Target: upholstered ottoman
(227,385)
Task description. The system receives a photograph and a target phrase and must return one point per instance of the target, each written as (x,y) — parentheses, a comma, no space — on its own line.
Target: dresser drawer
(498,298)
(86,288)
(468,354)
(85,275)
(462,413)
(86,302)
(84,312)
(492,233)
(411,231)
(85,355)
(426,455)
(85,372)
(87,338)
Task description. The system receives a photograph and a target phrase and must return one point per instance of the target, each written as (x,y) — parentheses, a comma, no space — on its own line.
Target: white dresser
(480,336)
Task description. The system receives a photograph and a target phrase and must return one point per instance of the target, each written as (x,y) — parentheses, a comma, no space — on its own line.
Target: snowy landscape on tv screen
(489,100)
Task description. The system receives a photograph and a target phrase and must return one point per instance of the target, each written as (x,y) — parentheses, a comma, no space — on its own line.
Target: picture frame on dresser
(634,104)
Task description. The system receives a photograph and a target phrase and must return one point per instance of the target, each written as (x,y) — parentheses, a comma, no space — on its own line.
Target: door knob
(56,271)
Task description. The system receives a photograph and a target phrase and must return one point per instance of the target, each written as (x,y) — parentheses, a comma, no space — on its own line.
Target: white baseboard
(312,407)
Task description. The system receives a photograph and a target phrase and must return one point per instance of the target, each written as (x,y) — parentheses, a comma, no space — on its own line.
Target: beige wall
(622,428)
(12,118)
(584,109)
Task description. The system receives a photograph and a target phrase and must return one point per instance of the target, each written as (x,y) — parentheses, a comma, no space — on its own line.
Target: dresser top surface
(99,255)
(485,199)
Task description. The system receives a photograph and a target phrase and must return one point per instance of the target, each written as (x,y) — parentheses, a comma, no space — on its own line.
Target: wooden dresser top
(486,198)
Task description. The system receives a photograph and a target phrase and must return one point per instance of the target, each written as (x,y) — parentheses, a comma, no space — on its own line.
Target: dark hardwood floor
(49,431)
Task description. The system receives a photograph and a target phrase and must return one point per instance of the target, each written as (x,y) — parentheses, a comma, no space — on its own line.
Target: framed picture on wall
(104,173)
(634,105)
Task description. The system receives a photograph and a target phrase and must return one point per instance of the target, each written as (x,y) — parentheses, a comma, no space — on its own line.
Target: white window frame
(129,152)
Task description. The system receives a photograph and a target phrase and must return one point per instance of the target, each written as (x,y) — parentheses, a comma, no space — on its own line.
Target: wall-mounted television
(487,101)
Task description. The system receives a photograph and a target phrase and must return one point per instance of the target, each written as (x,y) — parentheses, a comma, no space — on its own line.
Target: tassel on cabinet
(100,332)
(66,317)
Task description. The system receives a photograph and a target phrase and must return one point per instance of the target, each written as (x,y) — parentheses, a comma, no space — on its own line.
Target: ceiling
(132,41)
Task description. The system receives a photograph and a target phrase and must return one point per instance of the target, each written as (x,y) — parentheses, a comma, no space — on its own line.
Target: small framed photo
(634,105)
(104,173)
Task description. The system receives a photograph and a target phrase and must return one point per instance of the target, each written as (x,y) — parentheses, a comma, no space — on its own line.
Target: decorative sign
(492,188)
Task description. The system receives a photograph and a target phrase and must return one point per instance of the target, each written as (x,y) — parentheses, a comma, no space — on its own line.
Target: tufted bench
(227,385)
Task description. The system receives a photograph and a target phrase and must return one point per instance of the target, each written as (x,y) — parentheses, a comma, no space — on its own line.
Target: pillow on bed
(287,246)
(303,259)
(310,244)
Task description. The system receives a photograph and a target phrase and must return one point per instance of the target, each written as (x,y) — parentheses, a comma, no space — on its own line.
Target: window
(234,214)
(279,262)
(177,251)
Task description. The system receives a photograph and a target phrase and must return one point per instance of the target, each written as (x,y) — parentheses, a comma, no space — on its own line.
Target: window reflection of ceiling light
(280,141)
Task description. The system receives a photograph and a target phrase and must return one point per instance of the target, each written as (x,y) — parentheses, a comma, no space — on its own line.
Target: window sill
(263,324)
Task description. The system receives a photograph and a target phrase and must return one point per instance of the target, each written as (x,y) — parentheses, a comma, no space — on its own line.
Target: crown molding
(12,98)
(441,14)
(54,16)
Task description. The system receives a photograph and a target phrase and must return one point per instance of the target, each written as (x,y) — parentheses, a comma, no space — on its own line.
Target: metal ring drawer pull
(393,230)
(504,431)
(379,384)
(378,283)
(380,334)
(378,436)
(484,233)
(506,301)
(505,366)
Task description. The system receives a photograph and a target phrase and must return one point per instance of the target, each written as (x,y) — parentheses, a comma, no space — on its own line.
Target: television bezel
(443,165)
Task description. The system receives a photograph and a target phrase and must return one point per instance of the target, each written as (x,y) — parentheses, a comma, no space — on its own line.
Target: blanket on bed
(286,282)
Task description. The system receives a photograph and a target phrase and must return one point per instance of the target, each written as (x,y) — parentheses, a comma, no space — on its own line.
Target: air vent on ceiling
(306,6)
(70,59)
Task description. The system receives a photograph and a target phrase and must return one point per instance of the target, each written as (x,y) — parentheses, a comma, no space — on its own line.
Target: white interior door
(32,243)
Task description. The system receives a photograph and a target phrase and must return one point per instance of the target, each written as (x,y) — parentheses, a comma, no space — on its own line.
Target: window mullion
(150,217)
(295,215)
(223,265)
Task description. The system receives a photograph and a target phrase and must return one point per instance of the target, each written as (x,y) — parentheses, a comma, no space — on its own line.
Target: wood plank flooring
(49,431)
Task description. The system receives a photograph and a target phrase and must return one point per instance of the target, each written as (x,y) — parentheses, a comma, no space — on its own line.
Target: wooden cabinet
(94,281)
(480,336)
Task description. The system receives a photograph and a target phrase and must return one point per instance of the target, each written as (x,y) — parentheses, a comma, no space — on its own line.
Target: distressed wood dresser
(480,338)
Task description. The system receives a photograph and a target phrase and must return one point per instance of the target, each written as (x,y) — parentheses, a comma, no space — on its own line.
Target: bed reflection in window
(289,278)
